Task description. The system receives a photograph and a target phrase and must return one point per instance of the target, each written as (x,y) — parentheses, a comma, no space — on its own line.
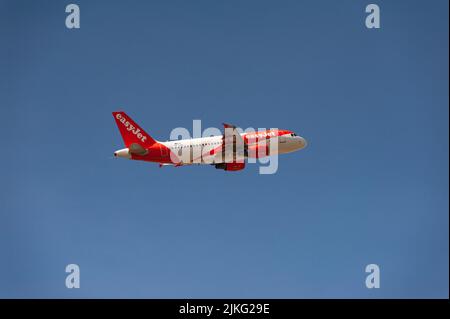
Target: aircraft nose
(302,142)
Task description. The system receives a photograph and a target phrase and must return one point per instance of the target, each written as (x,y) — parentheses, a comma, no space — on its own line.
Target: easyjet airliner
(227,151)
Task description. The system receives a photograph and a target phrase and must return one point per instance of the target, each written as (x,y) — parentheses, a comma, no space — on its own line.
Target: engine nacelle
(258,151)
(230,166)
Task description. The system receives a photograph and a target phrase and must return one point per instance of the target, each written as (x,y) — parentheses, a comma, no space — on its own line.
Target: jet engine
(230,166)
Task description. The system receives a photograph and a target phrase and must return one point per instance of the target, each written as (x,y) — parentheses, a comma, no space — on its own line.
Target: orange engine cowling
(230,166)
(258,151)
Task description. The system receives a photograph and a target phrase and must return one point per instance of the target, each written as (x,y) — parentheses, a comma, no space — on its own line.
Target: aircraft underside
(227,152)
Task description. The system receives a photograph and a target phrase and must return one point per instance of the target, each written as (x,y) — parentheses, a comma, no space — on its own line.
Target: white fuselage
(204,150)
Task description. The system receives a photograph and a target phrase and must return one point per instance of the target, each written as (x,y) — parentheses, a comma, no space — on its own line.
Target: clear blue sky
(372,186)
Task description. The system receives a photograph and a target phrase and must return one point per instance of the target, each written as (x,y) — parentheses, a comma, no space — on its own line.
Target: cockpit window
(293,134)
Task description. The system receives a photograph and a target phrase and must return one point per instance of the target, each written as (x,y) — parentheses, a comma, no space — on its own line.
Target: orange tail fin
(131,132)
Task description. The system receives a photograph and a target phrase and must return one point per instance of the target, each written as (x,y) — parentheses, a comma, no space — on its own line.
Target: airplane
(227,151)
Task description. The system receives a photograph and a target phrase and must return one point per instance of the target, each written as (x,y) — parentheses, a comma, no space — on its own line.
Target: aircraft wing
(239,140)
(233,144)
(232,139)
